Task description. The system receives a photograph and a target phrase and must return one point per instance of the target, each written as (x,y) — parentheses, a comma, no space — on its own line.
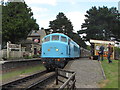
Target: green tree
(100,23)
(17,21)
(115,28)
(75,37)
(61,24)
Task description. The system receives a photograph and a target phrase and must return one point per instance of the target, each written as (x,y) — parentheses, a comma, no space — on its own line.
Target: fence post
(56,76)
(68,86)
(73,87)
(20,51)
(7,49)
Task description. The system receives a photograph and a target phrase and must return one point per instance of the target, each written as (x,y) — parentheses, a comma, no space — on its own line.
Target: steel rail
(41,83)
(14,83)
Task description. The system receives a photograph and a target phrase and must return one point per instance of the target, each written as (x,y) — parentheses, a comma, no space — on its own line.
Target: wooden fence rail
(69,83)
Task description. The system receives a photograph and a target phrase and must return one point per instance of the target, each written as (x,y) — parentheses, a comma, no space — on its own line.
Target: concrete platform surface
(88,72)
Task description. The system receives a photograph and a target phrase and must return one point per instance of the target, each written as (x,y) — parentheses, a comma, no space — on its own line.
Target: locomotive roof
(61,34)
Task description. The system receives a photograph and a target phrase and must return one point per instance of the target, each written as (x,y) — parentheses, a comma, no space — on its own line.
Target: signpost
(13,47)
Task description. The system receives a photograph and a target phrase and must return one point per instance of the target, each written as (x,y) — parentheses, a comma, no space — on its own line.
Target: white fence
(12,54)
(12,51)
(3,53)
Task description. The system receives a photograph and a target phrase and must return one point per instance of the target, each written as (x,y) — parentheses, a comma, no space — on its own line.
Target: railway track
(35,81)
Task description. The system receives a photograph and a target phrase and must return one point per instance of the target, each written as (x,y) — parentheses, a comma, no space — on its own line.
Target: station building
(32,45)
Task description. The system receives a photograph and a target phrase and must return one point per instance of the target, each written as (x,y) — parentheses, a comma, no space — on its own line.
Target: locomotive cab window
(64,39)
(47,39)
(55,37)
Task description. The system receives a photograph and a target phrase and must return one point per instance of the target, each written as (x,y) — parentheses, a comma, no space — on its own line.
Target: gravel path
(88,72)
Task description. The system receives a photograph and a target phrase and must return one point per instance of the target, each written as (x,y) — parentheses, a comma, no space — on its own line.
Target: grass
(111,72)
(29,70)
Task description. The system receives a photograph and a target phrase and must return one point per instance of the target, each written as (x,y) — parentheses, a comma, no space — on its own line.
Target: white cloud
(50,2)
(38,9)
(44,22)
(77,18)
(72,1)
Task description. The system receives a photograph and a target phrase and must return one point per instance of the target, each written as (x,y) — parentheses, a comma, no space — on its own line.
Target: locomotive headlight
(57,49)
(58,60)
(48,49)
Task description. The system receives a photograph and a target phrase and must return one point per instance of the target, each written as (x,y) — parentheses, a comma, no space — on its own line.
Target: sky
(46,10)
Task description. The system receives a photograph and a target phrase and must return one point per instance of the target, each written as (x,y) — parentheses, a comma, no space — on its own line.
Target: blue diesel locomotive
(57,49)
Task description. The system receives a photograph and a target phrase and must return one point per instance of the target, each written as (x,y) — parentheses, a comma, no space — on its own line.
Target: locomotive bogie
(52,63)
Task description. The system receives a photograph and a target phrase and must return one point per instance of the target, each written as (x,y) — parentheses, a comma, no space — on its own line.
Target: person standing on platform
(101,53)
(110,51)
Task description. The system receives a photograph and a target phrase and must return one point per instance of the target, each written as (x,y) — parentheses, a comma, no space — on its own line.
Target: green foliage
(117,49)
(62,25)
(75,37)
(36,56)
(88,48)
(101,23)
(30,57)
(17,21)
(27,57)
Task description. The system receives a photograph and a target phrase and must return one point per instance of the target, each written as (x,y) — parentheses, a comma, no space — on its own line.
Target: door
(69,49)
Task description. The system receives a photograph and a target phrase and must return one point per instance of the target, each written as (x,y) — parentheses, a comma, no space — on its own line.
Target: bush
(36,56)
(117,53)
(117,49)
(27,57)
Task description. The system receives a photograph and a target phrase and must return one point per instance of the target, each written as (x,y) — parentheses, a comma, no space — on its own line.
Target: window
(55,37)
(64,39)
(47,39)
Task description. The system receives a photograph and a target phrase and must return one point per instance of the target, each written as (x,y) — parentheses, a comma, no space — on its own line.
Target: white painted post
(32,49)
(67,74)
(20,50)
(0,53)
(7,49)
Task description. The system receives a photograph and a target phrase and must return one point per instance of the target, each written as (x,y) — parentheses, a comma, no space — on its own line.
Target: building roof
(101,41)
(37,33)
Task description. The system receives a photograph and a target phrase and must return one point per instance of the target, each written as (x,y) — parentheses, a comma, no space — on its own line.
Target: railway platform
(88,72)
